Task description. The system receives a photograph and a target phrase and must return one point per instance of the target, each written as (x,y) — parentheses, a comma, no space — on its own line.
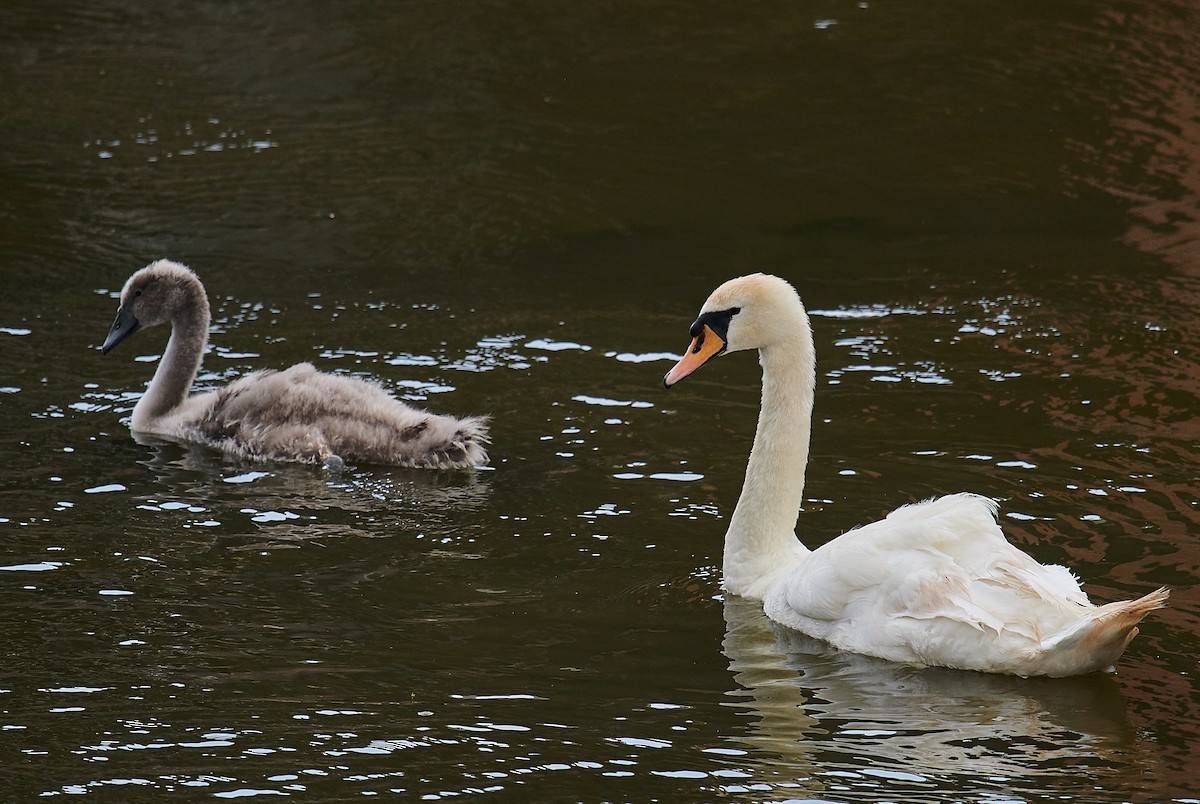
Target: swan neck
(179,364)
(762,531)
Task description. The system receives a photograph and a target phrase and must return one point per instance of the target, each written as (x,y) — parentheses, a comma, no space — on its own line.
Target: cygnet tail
(443,442)
(1098,640)
(470,440)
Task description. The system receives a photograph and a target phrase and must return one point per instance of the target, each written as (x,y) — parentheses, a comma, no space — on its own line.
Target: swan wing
(933,583)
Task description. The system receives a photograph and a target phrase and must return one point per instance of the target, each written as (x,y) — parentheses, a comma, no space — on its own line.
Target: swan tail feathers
(1098,640)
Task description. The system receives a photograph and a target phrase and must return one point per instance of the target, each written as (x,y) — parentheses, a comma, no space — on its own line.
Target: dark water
(516,209)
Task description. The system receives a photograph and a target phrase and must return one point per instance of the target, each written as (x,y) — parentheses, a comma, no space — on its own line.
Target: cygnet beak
(125,325)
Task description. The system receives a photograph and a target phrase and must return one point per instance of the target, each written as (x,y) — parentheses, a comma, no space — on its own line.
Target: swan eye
(717,320)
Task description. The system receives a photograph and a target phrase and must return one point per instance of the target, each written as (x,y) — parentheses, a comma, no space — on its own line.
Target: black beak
(125,325)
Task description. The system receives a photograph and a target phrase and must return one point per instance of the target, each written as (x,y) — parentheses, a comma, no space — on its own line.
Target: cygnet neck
(762,531)
(180,361)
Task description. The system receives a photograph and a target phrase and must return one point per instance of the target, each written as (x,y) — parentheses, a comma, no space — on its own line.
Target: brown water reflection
(1151,157)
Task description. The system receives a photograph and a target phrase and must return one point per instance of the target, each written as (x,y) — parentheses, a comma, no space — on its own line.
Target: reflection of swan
(934,583)
(823,712)
(756,661)
(193,473)
(299,414)
(349,503)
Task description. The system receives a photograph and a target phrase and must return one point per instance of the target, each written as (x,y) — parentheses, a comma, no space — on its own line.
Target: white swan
(935,583)
(299,414)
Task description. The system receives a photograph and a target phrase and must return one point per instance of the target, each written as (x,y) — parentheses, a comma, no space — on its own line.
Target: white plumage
(935,583)
(299,414)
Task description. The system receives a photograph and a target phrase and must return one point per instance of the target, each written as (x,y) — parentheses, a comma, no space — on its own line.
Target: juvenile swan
(935,583)
(299,414)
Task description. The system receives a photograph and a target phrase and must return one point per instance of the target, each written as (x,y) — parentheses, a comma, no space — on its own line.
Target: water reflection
(821,712)
(1151,156)
(301,503)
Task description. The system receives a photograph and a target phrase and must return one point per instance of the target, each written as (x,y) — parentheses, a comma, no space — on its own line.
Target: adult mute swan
(935,583)
(299,414)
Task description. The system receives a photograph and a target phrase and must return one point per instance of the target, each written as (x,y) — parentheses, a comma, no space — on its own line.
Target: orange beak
(703,348)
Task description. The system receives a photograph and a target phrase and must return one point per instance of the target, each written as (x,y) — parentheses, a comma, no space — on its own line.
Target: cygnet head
(154,295)
(751,312)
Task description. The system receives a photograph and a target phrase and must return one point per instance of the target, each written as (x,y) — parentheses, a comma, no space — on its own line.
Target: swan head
(152,296)
(750,312)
